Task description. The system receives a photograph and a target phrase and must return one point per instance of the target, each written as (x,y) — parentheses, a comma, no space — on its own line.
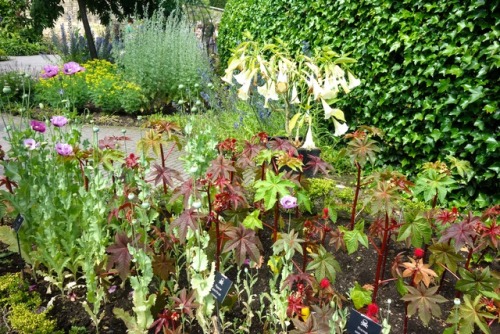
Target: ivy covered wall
(430,71)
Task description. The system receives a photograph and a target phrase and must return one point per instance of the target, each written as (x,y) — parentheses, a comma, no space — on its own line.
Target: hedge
(430,72)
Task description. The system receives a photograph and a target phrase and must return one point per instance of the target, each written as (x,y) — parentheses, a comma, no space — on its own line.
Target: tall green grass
(160,54)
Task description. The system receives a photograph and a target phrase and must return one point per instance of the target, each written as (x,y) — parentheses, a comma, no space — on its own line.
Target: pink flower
(64,149)
(325,283)
(38,126)
(132,161)
(30,144)
(419,253)
(50,71)
(288,202)
(59,121)
(72,68)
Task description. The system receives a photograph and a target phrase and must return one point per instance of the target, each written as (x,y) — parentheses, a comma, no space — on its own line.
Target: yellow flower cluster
(109,89)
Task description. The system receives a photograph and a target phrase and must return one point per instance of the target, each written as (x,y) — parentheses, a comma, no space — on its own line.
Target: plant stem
(163,165)
(276,218)
(356,195)
(383,249)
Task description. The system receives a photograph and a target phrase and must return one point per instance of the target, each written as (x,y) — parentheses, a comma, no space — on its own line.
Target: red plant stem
(218,244)
(276,218)
(304,256)
(383,248)
(356,195)
(262,171)
(469,257)
(377,249)
(385,257)
(434,200)
(163,165)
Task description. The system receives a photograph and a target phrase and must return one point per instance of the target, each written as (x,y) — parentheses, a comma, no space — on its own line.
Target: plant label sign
(16,225)
(360,324)
(221,287)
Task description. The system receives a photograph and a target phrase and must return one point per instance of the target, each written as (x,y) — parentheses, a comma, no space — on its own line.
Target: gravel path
(134,133)
(29,64)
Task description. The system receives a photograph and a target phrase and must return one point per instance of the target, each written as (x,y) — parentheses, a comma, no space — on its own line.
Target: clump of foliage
(110,90)
(24,316)
(17,36)
(101,84)
(164,57)
(19,85)
(430,72)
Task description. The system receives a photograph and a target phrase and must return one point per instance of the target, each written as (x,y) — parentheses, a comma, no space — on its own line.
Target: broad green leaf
(360,296)
(419,231)
(271,187)
(324,265)
(355,237)
(252,221)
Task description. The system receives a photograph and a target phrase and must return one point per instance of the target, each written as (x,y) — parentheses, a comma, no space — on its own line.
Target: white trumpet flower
(282,80)
(340,129)
(268,91)
(329,111)
(294,99)
(309,142)
(353,81)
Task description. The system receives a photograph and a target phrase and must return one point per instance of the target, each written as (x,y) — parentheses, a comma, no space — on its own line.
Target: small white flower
(456,301)
(268,91)
(131,196)
(340,129)
(294,99)
(309,142)
(353,81)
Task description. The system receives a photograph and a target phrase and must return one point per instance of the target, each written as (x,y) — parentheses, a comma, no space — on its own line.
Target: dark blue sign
(16,225)
(221,287)
(361,324)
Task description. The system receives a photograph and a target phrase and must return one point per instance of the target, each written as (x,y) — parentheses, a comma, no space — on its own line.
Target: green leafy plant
(433,100)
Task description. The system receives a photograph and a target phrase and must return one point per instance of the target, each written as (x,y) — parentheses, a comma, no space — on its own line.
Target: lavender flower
(288,202)
(72,68)
(59,121)
(38,126)
(50,71)
(64,149)
(30,144)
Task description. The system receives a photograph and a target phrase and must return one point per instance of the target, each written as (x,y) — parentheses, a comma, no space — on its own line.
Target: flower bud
(6,89)
(131,196)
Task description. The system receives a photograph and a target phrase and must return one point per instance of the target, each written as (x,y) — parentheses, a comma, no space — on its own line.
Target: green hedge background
(430,72)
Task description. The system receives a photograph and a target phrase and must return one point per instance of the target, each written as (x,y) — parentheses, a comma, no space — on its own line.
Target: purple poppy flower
(50,71)
(64,149)
(30,144)
(72,68)
(59,121)
(288,202)
(38,126)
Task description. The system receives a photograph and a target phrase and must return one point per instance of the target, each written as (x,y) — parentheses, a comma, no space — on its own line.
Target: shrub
(19,83)
(109,90)
(63,90)
(431,72)
(161,54)
(17,37)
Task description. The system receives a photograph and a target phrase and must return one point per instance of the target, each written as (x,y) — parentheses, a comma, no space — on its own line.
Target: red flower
(372,310)
(419,253)
(325,213)
(325,283)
